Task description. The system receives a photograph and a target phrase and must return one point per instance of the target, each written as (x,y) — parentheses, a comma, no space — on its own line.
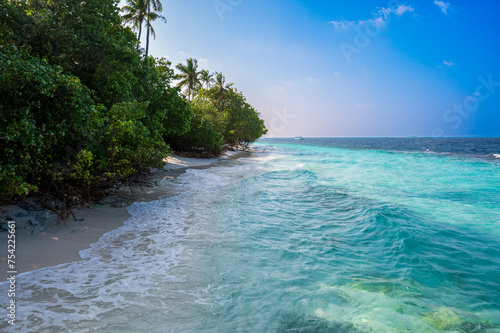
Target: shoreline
(60,244)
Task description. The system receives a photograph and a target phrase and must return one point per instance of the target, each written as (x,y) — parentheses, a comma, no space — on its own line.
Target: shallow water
(321,235)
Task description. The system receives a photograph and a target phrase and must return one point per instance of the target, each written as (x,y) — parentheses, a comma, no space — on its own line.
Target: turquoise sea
(318,235)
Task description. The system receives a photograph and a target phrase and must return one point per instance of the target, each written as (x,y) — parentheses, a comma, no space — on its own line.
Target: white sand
(60,244)
(178,162)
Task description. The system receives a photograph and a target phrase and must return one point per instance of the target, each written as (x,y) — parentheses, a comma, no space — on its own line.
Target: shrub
(44,113)
(201,138)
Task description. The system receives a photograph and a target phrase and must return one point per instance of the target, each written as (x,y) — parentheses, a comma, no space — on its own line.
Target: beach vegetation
(203,137)
(134,15)
(206,78)
(84,111)
(219,90)
(230,113)
(189,77)
(154,8)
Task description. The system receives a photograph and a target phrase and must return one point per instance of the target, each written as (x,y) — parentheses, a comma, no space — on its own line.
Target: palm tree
(136,11)
(220,87)
(207,78)
(189,76)
(152,16)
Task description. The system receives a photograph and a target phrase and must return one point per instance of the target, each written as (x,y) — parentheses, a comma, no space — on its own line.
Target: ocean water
(319,235)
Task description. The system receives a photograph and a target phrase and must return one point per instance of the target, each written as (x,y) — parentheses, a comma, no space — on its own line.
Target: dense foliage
(226,109)
(44,114)
(231,115)
(202,137)
(84,110)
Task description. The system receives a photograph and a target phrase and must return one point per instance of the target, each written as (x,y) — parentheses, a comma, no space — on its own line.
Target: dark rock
(39,226)
(41,222)
(30,206)
(45,215)
(109,200)
(4,223)
(121,204)
(4,226)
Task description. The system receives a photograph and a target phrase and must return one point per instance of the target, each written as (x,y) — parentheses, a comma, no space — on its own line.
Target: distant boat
(298,138)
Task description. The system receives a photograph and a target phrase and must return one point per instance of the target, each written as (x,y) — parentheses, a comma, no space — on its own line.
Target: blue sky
(348,68)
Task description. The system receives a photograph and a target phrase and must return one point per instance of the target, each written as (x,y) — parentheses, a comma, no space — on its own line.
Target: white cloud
(443,5)
(181,52)
(203,60)
(336,74)
(448,63)
(403,9)
(379,22)
(386,12)
(343,25)
(379,19)
(312,79)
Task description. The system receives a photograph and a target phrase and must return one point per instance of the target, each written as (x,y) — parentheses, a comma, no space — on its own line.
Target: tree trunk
(147,37)
(139,37)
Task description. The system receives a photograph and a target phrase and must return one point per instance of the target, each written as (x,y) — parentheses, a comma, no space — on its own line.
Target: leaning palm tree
(189,76)
(152,16)
(135,13)
(206,77)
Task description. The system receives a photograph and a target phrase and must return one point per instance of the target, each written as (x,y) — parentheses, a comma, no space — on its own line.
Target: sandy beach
(59,244)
